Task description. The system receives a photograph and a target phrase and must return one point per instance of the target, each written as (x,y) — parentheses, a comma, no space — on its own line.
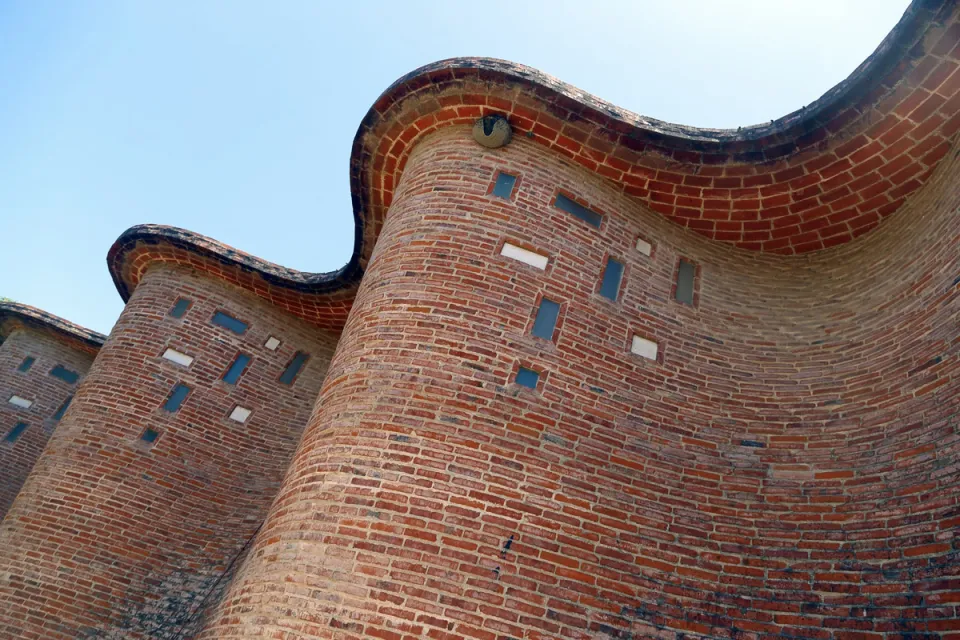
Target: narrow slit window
(63,409)
(236,369)
(527,378)
(546,320)
(686,273)
(229,323)
(290,373)
(26,364)
(16,432)
(149,435)
(180,307)
(578,210)
(612,275)
(65,374)
(176,398)
(503,187)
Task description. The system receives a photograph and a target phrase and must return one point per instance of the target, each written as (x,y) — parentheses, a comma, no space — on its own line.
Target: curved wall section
(786,466)
(145,496)
(41,369)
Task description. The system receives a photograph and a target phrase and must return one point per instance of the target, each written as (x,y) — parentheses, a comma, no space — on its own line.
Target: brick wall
(47,393)
(787,466)
(112,537)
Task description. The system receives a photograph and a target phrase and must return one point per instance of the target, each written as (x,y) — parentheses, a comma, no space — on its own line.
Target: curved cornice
(815,178)
(86,339)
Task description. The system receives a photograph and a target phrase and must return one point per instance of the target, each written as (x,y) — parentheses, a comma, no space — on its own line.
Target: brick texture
(112,538)
(788,468)
(37,385)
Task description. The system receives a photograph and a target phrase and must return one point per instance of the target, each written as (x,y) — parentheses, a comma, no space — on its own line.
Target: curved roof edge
(641,153)
(40,319)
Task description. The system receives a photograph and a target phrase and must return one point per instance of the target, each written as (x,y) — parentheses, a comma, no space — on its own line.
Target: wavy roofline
(38,318)
(757,144)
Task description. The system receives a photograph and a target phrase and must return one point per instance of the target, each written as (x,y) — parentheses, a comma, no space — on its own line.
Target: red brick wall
(36,384)
(788,469)
(110,538)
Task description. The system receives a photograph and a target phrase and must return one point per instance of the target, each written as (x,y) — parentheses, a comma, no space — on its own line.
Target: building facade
(587,375)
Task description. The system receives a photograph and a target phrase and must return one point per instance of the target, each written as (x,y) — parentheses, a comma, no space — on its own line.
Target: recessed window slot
(578,210)
(236,368)
(229,323)
(65,374)
(62,409)
(686,273)
(180,307)
(527,377)
(546,320)
(26,364)
(612,275)
(16,432)
(294,367)
(176,398)
(503,187)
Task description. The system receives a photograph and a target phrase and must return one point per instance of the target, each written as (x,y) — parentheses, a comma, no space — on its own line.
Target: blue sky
(235,119)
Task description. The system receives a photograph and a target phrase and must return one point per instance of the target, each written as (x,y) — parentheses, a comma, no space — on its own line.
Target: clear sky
(235,119)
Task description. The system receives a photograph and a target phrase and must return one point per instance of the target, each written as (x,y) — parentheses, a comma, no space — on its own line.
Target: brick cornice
(13,314)
(813,179)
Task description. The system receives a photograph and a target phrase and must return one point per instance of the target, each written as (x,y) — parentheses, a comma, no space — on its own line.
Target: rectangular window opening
(16,432)
(612,275)
(546,320)
(527,377)
(686,273)
(290,373)
(180,307)
(578,210)
(236,369)
(503,187)
(176,398)
(65,374)
(63,409)
(229,323)
(26,364)
(149,435)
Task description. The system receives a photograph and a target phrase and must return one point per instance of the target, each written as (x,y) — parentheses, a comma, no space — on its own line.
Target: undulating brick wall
(115,537)
(788,465)
(46,392)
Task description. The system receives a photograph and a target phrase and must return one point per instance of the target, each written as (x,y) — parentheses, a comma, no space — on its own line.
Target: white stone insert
(644,247)
(644,348)
(180,358)
(525,256)
(272,343)
(23,403)
(240,414)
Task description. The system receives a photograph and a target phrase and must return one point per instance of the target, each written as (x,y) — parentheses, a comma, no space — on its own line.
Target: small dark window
(16,432)
(229,322)
(503,187)
(546,320)
(149,435)
(62,409)
(685,275)
(180,307)
(176,398)
(610,286)
(236,369)
(527,377)
(578,210)
(26,364)
(64,374)
(290,373)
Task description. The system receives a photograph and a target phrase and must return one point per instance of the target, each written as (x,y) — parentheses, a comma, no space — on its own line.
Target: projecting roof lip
(156,234)
(41,319)
(756,144)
